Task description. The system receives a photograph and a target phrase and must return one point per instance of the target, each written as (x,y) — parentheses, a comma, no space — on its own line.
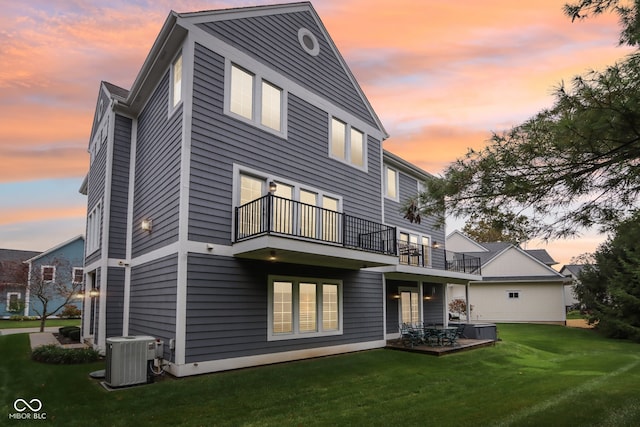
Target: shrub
(57,355)
(21,318)
(66,330)
(70,311)
(74,334)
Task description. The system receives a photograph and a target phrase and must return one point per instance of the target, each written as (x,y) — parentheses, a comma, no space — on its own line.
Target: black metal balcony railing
(276,215)
(418,255)
(454,261)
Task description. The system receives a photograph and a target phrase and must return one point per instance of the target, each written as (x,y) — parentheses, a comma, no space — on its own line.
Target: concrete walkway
(38,338)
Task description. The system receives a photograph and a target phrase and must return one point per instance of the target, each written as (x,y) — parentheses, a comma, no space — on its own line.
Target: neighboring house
(241,207)
(13,281)
(518,285)
(53,275)
(573,272)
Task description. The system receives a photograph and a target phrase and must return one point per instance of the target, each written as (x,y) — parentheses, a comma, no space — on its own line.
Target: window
(308,41)
(302,307)
(330,219)
(48,273)
(390,183)
(176,81)
(78,275)
(271,104)
(14,301)
(414,249)
(316,216)
(513,294)
(409,306)
(255,100)
(347,143)
(94,222)
(241,92)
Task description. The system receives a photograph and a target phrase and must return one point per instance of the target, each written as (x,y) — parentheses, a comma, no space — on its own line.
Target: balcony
(292,231)
(418,255)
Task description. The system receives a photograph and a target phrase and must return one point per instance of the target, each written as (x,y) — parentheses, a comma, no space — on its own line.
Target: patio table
(440,332)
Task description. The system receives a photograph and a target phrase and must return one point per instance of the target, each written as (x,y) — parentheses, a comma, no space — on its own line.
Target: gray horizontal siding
(273,40)
(434,309)
(157,172)
(152,308)
(227,307)
(393,215)
(115,302)
(95,191)
(119,188)
(219,141)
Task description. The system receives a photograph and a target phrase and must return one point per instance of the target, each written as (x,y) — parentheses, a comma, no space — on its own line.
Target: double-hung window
(304,307)
(347,143)
(14,301)
(48,273)
(255,100)
(78,275)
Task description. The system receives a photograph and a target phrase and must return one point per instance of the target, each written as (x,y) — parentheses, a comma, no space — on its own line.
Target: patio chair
(453,335)
(410,335)
(432,337)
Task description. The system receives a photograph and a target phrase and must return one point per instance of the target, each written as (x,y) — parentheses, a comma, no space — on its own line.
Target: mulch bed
(65,340)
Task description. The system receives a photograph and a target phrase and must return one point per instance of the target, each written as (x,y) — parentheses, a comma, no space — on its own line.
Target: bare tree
(54,286)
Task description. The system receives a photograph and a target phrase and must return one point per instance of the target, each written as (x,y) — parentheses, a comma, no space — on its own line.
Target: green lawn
(13,324)
(538,375)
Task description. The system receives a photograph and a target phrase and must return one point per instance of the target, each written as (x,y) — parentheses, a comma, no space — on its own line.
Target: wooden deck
(463,344)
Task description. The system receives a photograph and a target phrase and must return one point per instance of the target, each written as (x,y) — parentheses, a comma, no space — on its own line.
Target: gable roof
(456,234)
(265,37)
(55,248)
(573,269)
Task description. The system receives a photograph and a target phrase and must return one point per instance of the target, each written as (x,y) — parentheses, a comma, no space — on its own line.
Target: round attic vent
(308,41)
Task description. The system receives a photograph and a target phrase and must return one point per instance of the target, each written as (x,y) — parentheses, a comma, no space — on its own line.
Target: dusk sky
(440,75)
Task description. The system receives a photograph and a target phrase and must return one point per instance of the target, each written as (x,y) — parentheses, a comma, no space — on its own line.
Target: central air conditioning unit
(128,360)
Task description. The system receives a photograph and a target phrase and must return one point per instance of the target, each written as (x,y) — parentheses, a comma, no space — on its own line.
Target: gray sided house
(241,207)
(14,277)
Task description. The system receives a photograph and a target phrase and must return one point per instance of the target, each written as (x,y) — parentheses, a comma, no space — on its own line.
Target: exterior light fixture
(395,296)
(94,293)
(272,256)
(435,245)
(272,187)
(147,224)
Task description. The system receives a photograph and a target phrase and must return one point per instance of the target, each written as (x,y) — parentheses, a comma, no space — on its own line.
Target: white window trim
(53,276)
(241,170)
(347,144)
(256,119)
(9,295)
(386,184)
(174,107)
(73,275)
(420,237)
(296,334)
(94,228)
(302,33)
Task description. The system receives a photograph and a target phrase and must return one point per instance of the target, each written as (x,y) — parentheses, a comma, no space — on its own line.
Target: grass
(13,324)
(537,375)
